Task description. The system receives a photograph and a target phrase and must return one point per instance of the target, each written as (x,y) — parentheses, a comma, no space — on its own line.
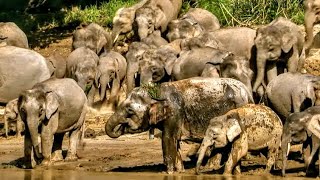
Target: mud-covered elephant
(293,92)
(92,36)
(279,46)
(55,106)
(111,71)
(205,39)
(156,65)
(191,24)
(20,69)
(155,15)
(57,65)
(12,35)
(192,63)
(180,109)
(12,118)
(311,17)
(233,66)
(123,20)
(247,128)
(82,67)
(302,128)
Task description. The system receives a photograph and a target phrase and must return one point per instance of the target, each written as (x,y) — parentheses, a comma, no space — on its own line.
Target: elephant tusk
(108,85)
(288,149)
(135,75)
(116,38)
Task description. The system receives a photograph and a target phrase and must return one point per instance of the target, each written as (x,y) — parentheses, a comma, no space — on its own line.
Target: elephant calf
(301,128)
(12,116)
(250,127)
(55,106)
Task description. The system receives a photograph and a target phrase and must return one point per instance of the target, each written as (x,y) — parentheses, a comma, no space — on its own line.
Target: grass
(229,12)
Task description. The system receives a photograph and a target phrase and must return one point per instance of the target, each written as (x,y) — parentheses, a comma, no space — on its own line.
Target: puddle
(80,175)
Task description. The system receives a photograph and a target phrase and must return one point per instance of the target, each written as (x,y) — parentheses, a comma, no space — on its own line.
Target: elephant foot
(71,157)
(46,162)
(57,156)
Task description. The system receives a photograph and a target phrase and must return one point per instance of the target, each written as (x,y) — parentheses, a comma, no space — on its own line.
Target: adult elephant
(55,106)
(111,71)
(293,92)
(194,22)
(155,15)
(92,36)
(280,42)
(12,35)
(311,17)
(180,109)
(192,63)
(301,128)
(82,67)
(20,69)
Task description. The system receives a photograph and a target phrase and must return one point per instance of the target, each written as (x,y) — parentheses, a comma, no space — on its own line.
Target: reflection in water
(13,174)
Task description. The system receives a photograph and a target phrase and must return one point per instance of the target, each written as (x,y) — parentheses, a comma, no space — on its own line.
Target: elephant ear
(287,41)
(234,128)
(101,43)
(52,104)
(159,111)
(313,125)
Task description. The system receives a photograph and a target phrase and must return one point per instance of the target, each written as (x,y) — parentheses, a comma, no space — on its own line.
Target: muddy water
(80,175)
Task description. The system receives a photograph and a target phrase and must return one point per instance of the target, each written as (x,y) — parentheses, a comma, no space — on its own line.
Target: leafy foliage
(153,90)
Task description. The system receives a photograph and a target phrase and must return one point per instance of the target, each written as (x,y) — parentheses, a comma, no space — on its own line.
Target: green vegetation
(153,90)
(229,12)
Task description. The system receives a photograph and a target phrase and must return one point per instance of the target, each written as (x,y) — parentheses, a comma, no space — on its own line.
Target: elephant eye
(129,110)
(153,69)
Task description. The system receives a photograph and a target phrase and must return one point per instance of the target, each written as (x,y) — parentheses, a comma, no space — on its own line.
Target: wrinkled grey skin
(181,111)
(301,128)
(92,36)
(57,65)
(299,92)
(155,15)
(155,39)
(250,127)
(111,71)
(20,69)
(156,65)
(192,63)
(311,17)
(82,67)
(123,20)
(279,41)
(12,35)
(191,24)
(236,67)
(134,56)
(205,39)
(12,118)
(57,106)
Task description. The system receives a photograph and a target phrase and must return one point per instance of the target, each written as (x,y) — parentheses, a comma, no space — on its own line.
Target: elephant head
(148,19)
(204,39)
(297,129)
(84,74)
(36,108)
(183,28)
(136,114)
(311,17)
(93,37)
(156,64)
(221,131)
(133,56)
(271,43)
(11,115)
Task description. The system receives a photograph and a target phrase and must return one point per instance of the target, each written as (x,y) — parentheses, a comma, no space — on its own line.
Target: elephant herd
(230,90)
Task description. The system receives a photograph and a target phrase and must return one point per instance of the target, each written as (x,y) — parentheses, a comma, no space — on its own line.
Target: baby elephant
(250,127)
(12,117)
(52,108)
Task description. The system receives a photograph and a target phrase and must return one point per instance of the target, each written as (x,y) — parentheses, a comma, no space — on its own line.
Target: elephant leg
(293,62)
(47,134)
(215,161)
(57,147)
(179,163)
(6,126)
(271,71)
(19,128)
(237,169)
(272,154)
(73,142)
(315,146)
(239,149)
(90,95)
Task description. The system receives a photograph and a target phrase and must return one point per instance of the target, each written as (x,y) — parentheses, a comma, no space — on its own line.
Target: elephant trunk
(104,81)
(201,153)
(114,127)
(285,146)
(143,30)
(131,77)
(33,129)
(115,34)
(261,65)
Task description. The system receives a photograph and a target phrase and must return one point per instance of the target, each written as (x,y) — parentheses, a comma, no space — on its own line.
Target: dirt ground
(129,153)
